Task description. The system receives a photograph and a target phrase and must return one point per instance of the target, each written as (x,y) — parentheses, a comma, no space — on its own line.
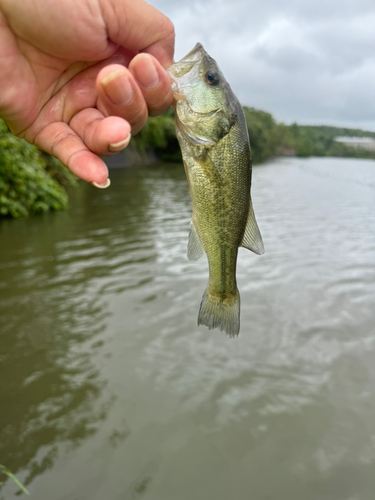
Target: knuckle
(59,139)
(168,28)
(138,121)
(71,157)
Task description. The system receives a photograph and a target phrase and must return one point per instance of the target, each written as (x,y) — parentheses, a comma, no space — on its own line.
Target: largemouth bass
(213,137)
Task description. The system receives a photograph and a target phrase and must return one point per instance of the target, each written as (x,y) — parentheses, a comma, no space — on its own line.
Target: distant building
(358,142)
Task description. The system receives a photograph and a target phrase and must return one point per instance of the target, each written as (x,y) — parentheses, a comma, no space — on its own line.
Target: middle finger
(153,82)
(119,95)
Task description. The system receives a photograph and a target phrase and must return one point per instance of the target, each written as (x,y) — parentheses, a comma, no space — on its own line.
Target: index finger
(141,27)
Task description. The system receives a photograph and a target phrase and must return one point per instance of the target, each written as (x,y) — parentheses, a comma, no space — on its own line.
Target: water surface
(108,389)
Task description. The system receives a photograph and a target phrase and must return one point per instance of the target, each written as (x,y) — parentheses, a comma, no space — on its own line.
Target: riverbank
(33,182)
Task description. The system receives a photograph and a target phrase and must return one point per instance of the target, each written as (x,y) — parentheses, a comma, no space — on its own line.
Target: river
(109,390)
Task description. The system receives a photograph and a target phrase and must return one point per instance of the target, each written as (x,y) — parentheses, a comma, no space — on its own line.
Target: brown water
(109,390)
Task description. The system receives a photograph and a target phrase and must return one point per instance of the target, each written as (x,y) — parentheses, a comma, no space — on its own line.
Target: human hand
(76,76)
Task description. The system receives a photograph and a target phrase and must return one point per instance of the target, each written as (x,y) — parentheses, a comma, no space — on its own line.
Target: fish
(213,137)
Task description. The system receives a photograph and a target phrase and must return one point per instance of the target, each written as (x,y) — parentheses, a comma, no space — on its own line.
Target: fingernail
(147,74)
(118,146)
(102,186)
(118,88)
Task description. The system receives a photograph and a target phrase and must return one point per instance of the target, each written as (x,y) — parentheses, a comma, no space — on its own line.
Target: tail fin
(224,315)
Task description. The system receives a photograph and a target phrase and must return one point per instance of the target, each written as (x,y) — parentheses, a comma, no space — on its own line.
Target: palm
(36,80)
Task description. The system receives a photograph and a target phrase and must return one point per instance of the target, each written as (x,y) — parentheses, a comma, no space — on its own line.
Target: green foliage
(159,135)
(268,138)
(30,181)
(283,137)
(262,132)
(319,140)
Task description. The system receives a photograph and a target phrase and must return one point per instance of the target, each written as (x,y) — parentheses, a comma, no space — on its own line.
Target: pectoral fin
(194,250)
(208,168)
(252,238)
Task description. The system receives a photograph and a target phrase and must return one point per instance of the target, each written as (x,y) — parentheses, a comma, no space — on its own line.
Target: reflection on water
(109,390)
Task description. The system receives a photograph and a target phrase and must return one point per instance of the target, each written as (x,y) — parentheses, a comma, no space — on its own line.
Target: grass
(4,470)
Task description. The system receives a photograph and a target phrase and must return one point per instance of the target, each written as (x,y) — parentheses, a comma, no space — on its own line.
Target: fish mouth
(195,54)
(180,73)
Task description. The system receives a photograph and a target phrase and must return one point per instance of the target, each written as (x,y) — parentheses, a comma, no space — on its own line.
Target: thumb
(140,27)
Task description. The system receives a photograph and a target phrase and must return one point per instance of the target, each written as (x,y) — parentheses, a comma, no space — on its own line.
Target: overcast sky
(307,61)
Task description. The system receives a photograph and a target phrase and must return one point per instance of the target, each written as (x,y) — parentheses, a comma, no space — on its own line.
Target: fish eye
(212,78)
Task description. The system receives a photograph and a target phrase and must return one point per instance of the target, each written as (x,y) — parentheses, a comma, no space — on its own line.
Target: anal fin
(194,250)
(252,239)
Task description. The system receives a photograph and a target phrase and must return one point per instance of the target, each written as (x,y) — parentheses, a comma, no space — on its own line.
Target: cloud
(305,61)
